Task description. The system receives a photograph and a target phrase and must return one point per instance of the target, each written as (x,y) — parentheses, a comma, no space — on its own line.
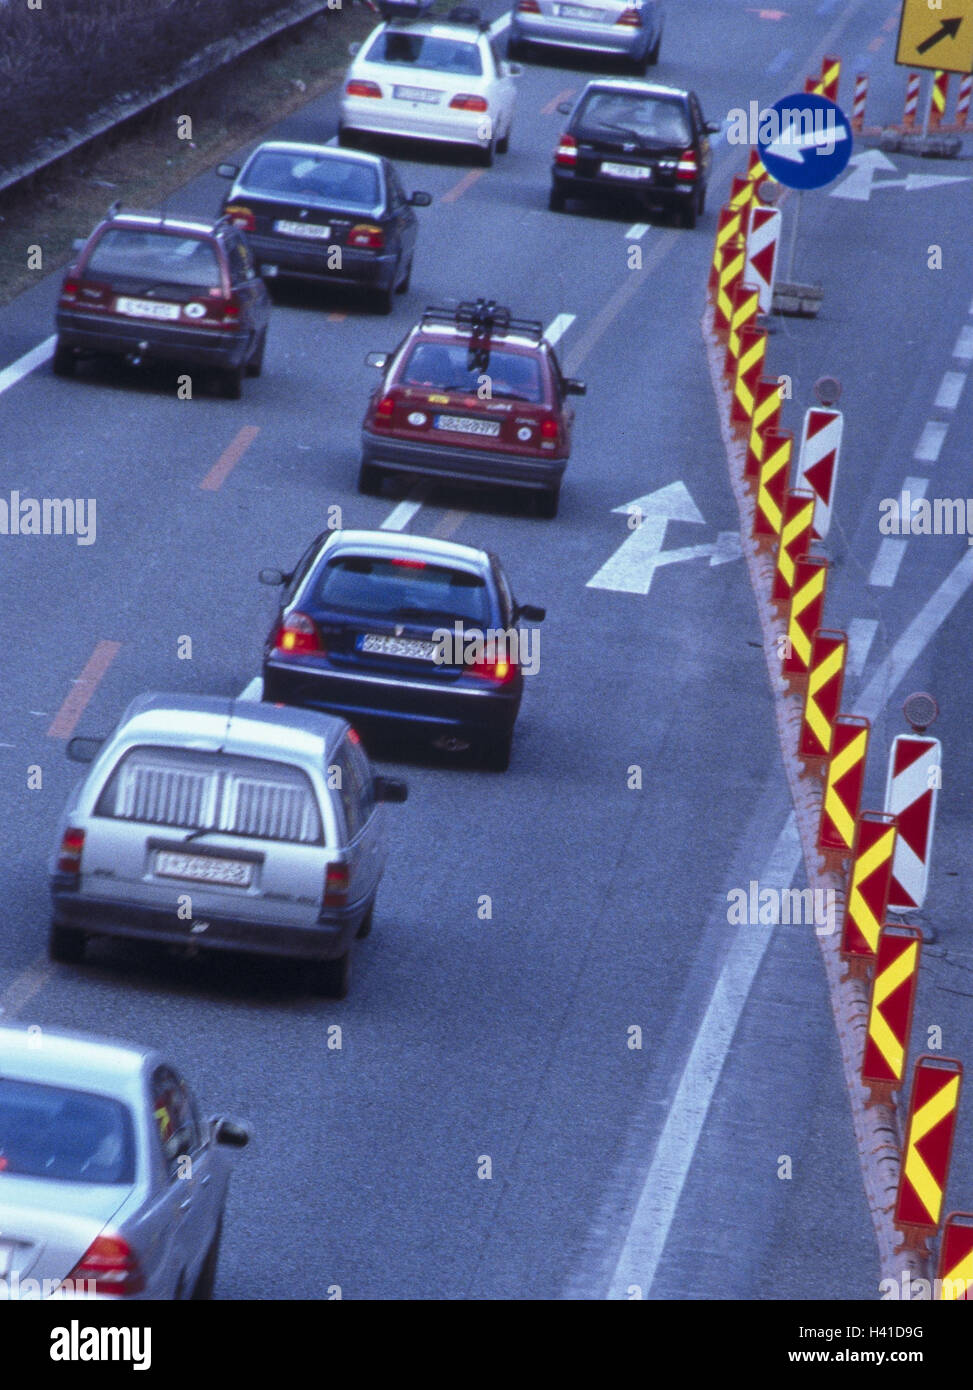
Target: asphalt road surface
(615,1168)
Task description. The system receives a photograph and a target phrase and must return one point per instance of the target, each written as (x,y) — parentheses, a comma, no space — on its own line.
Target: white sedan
(431,80)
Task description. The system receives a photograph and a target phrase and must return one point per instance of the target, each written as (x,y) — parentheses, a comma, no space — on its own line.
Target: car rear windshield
(213,791)
(70,1136)
(425,51)
(155,258)
(318,182)
(624,115)
(407,589)
(446,367)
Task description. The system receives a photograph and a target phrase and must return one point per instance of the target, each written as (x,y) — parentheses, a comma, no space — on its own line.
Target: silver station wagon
(220,824)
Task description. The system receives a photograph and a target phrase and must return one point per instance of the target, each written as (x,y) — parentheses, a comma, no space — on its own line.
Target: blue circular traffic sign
(804,140)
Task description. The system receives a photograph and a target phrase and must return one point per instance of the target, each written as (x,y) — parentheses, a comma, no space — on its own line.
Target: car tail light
(467,101)
(336,886)
(567,150)
(409,564)
(384,409)
(241,217)
(231,311)
(500,672)
(353,735)
(367,234)
(72,845)
(69,291)
(111,1265)
(549,427)
(633,18)
(528,7)
(687,168)
(358,88)
(298,636)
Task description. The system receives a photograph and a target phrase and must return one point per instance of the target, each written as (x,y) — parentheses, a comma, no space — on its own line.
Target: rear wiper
(201,830)
(507,395)
(415,612)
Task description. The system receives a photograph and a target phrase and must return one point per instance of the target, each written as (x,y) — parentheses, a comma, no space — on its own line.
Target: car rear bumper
(447,127)
(474,466)
(301,262)
(589,37)
(429,705)
(169,342)
(136,921)
(664,195)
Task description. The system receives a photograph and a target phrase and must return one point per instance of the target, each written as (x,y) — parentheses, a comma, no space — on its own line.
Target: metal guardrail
(202,64)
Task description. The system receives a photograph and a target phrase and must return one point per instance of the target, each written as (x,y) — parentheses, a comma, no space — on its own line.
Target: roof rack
(482,317)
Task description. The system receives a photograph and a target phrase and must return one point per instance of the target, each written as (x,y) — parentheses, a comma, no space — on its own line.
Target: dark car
(315,212)
(149,287)
(628,139)
(403,631)
(472,396)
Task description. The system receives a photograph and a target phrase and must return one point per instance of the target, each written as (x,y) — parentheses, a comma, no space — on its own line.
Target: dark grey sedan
(316,212)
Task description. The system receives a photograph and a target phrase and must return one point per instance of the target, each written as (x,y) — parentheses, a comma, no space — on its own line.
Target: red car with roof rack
(472,396)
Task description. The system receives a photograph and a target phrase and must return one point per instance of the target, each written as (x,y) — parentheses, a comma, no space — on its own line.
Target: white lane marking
(558,328)
(931,441)
(658,1201)
(253,690)
(637,231)
(964,344)
(26,364)
(913,641)
(498,25)
(400,516)
(861,631)
(950,390)
(886,567)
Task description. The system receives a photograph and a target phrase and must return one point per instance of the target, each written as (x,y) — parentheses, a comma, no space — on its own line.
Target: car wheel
(369,480)
(690,213)
(546,503)
(334,976)
(401,289)
(349,139)
(207,1275)
(255,365)
(66,944)
(231,381)
(702,199)
(366,923)
(496,750)
(63,361)
(556,200)
(504,145)
(384,298)
(485,157)
(516,50)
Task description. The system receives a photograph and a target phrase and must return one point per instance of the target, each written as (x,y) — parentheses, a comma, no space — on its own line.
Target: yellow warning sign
(936,37)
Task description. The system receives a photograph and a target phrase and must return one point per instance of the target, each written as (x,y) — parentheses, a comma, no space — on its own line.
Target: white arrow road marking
(631,568)
(860,183)
(558,327)
(792,142)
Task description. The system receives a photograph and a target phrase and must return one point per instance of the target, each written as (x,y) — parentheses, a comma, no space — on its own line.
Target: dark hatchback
(148,287)
(634,140)
(314,212)
(361,632)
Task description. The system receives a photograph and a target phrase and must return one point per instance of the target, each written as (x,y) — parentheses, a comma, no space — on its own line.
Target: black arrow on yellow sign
(948,29)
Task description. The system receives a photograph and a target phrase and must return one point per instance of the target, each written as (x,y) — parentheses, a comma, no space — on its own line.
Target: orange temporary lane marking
(63,724)
(458,189)
(229,458)
(555,102)
(875,44)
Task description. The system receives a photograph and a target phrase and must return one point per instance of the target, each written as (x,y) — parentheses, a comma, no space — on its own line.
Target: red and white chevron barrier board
(911,792)
(963,101)
(817,462)
(911,101)
(861,96)
(763,239)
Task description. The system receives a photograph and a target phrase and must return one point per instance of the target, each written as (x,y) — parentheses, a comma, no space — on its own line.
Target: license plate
(627,171)
(462,425)
(312,231)
(203,868)
(396,646)
(579,12)
(147,308)
(416,94)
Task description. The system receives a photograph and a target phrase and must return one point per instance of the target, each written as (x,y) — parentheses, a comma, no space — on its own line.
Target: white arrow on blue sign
(805,140)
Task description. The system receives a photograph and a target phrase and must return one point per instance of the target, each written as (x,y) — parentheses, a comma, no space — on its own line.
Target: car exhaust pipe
(450,744)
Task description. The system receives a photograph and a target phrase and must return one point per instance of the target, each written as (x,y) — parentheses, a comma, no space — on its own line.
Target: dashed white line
(964,344)
(931,441)
(559,327)
(637,231)
(950,390)
(400,516)
(26,364)
(887,562)
(861,632)
(253,690)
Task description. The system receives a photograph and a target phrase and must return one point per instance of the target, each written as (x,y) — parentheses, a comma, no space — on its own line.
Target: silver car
(215,824)
(630,28)
(111,1185)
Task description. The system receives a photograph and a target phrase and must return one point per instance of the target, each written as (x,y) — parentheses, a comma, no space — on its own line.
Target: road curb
(878,1131)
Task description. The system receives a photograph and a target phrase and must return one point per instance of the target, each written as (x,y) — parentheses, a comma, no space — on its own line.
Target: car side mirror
(713,127)
(572,387)
(532,612)
(83,750)
(377,359)
(272,577)
(421,200)
(227,171)
(389,789)
(78,244)
(229,1132)
(564,108)
(354,49)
